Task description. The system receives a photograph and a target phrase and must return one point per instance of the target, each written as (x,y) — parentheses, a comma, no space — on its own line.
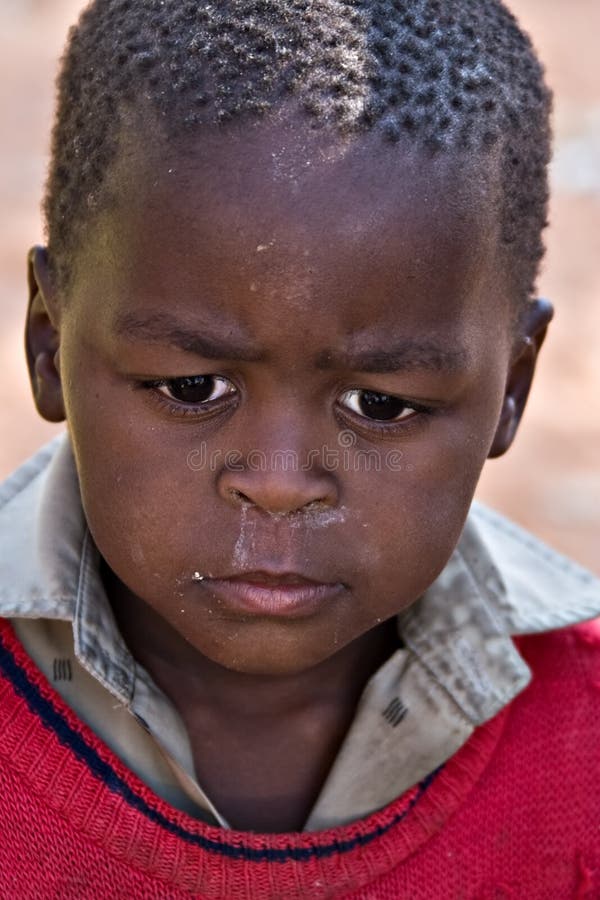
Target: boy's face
(308,286)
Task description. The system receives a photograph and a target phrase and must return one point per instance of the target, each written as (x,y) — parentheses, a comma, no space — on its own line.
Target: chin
(265,669)
(276,659)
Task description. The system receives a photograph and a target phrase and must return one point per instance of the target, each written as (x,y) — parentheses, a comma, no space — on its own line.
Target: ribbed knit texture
(514,814)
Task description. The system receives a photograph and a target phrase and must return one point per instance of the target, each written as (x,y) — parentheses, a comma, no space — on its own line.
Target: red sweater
(514,814)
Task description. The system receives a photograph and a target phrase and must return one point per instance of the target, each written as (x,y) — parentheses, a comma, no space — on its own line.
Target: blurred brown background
(550,481)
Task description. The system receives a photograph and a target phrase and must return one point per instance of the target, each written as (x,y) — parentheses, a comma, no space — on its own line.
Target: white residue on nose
(312,517)
(307,519)
(318,518)
(244,546)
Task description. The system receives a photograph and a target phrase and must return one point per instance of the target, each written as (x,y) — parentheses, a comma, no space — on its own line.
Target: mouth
(272,594)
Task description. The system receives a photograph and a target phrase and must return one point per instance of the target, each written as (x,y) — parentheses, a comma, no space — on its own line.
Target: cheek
(139,509)
(413,517)
(146,507)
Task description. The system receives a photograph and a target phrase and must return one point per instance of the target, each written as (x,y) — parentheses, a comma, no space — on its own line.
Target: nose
(279,481)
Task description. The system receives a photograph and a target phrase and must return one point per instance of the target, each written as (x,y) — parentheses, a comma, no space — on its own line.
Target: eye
(194,390)
(379,407)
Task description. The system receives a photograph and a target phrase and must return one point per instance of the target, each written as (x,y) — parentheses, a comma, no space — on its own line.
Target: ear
(42,338)
(532,331)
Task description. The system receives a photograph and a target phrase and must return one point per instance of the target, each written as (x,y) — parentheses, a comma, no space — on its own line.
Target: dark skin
(320,260)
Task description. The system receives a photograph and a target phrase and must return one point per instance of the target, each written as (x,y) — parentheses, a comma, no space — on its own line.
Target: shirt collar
(459,635)
(50,564)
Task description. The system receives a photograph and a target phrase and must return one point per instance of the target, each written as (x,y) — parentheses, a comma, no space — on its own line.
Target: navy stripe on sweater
(69,737)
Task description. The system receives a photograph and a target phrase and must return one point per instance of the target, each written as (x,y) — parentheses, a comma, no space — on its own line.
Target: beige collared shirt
(456,669)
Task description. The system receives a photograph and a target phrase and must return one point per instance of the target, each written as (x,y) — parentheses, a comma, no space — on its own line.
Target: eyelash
(380,426)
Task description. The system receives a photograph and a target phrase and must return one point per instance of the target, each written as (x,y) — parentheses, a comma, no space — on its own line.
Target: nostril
(239,497)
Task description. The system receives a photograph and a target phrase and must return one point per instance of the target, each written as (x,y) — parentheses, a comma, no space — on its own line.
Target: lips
(273,578)
(272,594)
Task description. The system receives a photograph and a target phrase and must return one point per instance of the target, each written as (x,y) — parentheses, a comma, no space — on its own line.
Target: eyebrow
(161,328)
(407,356)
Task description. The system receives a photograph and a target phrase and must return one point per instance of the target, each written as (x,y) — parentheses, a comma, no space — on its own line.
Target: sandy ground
(550,481)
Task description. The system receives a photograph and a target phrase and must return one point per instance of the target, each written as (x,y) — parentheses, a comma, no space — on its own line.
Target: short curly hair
(451,76)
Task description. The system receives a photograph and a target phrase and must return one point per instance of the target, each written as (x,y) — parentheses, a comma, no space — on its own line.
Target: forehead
(276,220)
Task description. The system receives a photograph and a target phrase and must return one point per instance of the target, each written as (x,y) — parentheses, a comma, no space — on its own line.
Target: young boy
(257,643)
